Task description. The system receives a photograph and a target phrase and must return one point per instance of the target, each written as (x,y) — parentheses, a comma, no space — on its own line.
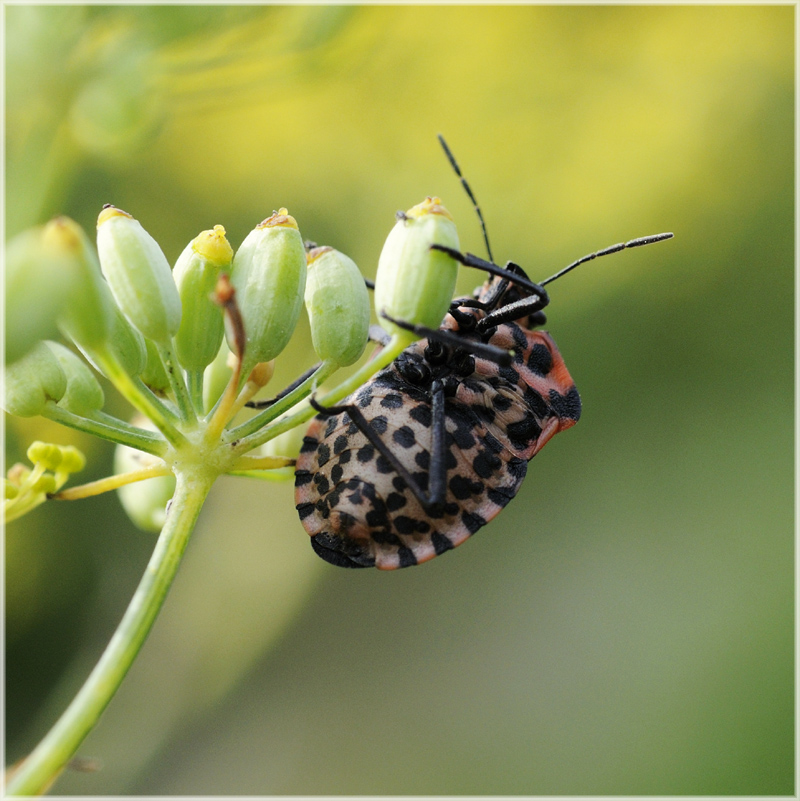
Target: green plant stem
(108,427)
(177,383)
(269,414)
(110,483)
(195,381)
(155,400)
(138,399)
(49,758)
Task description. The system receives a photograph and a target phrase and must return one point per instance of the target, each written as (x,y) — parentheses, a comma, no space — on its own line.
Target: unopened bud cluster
(26,488)
(176,339)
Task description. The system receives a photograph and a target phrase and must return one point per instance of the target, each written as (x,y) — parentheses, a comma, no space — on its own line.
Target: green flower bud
(72,460)
(145,502)
(32,381)
(414,283)
(154,375)
(26,489)
(83,394)
(196,272)
(89,310)
(124,341)
(47,454)
(338,306)
(269,275)
(38,282)
(139,275)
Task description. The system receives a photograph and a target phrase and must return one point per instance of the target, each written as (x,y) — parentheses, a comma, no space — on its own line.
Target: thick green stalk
(194,379)
(148,406)
(108,427)
(52,754)
(177,383)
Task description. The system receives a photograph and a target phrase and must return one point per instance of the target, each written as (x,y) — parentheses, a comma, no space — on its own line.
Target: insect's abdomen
(360,513)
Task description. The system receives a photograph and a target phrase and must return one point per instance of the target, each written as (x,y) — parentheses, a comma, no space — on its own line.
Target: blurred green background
(626,625)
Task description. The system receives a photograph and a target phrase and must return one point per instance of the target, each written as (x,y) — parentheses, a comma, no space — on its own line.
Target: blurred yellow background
(626,625)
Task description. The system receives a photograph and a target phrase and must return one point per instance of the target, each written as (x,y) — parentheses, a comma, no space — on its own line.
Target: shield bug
(435,445)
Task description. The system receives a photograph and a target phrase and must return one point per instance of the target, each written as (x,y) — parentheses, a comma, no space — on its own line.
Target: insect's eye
(435,354)
(414,372)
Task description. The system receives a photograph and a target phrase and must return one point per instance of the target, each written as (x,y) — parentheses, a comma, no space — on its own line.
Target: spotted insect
(435,445)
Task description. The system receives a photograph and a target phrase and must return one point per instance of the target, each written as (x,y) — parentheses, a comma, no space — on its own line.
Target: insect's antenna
(634,243)
(454,164)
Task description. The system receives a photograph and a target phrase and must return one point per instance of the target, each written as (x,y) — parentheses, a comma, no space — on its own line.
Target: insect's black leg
(511,272)
(524,307)
(262,404)
(438,468)
(490,352)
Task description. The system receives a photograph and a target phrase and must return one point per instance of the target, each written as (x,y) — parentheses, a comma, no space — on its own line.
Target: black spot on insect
(421,414)
(377,518)
(310,444)
(472,521)
(392,401)
(499,498)
(462,488)
(395,501)
(440,543)
(383,465)
(379,424)
(539,360)
(404,437)
(520,340)
(301,478)
(322,483)
(305,509)
(535,402)
(509,374)
(365,454)
(568,405)
(406,557)
(484,413)
(485,464)
(405,525)
(502,403)
(463,438)
(524,431)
